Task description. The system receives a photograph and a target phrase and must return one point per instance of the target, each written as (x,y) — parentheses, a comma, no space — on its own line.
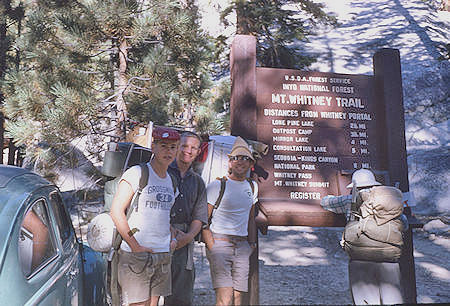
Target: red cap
(163,133)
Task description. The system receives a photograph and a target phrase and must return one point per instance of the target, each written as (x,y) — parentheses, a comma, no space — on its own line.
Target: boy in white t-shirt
(144,255)
(229,237)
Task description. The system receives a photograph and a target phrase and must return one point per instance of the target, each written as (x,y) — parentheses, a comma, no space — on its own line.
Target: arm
(35,226)
(337,204)
(206,233)
(252,231)
(199,216)
(185,238)
(173,238)
(121,201)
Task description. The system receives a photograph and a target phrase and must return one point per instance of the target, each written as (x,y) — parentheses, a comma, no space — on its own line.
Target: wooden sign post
(320,127)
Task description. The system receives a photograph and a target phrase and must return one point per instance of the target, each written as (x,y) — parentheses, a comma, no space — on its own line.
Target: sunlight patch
(291,228)
(444,242)
(424,299)
(300,256)
(436,271)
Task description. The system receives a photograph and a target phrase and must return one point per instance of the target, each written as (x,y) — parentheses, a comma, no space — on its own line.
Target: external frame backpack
(377,233)
(102,235)
(121,156)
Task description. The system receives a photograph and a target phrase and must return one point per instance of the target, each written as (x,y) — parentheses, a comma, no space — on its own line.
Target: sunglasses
(240,157)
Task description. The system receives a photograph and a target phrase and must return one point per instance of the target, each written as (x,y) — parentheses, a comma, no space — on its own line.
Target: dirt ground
(304,265)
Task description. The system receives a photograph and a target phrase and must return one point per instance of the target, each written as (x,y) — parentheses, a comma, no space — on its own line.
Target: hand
(173,244)
(183,239)
(210,243)
(252,245)
(140,249)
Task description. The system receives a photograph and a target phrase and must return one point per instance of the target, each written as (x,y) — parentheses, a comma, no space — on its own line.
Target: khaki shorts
(142,275)
(229,262)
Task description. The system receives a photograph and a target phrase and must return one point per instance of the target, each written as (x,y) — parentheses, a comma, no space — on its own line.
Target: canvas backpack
(117,162)
(376,234)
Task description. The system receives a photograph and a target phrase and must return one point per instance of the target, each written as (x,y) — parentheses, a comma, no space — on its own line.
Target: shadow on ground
(304,265)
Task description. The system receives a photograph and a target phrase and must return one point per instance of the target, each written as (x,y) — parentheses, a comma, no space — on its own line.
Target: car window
(62,219)
(36,240)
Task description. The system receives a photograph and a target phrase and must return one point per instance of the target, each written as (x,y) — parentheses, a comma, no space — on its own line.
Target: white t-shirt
(152,218)
(231,217)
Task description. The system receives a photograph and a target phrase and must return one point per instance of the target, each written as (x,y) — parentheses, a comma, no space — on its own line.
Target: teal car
(41,260)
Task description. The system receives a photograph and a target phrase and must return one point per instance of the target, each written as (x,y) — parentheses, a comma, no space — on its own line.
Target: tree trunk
(242,21)
(11,153)
(5,6)
(121,90)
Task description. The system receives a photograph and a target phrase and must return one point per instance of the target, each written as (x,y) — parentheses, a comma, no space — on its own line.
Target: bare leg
(145,303)
(238,295)
(154,301)
(224,296)
(390,283)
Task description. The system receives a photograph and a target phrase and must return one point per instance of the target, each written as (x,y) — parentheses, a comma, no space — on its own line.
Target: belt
(155,253)
(229,238)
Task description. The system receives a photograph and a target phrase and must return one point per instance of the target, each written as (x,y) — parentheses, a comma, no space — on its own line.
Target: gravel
(306,266)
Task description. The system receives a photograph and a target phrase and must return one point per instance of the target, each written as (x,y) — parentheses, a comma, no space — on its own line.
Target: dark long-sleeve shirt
(191,204)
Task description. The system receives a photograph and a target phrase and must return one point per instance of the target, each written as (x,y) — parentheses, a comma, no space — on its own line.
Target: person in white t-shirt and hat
(232,227)
(144,256)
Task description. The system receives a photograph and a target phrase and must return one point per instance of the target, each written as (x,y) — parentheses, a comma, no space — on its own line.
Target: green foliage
(207,123)
(278,25)
(67,84)
(222,96)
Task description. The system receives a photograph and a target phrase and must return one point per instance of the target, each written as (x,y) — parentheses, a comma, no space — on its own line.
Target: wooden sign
(316,125)
(320,128)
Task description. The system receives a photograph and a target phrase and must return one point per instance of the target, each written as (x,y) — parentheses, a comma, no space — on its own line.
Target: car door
(70,256)
(32,264)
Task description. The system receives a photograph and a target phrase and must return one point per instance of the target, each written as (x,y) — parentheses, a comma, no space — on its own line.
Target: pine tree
(4,7)
(278,25)
(91,66)
(11,15)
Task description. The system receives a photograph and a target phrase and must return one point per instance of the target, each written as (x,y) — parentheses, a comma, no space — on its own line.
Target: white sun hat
(363,178)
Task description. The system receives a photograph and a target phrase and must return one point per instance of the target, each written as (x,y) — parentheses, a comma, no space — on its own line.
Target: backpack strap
(174,182)
(142,183)
(223,183)
(250,181)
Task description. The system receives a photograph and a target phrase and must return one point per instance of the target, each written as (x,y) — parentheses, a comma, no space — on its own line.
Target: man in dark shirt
(188,215)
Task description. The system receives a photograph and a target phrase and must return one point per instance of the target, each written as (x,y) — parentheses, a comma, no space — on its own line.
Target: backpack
(102,236)
(118,161)
(376,234)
